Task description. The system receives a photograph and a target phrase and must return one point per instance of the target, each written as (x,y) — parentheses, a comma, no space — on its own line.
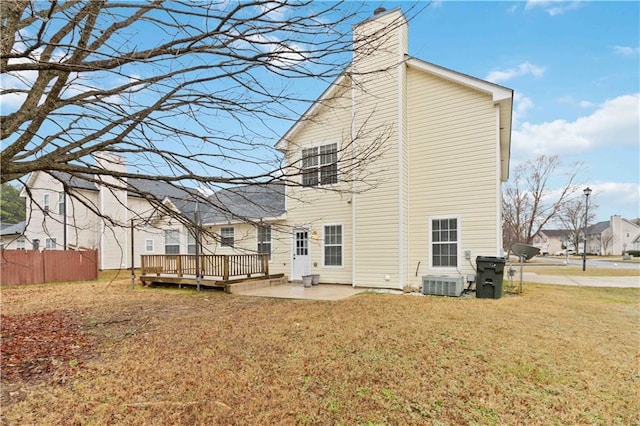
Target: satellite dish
(524,250)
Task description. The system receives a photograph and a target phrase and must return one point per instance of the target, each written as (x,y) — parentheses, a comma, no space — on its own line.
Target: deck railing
(209,265)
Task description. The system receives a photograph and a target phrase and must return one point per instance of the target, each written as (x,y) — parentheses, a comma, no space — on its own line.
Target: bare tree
(572,217)
(530,202)
(191,93)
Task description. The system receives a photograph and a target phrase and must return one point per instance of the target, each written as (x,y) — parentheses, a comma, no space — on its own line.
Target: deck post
(225,267)
(179,264)
(265,264)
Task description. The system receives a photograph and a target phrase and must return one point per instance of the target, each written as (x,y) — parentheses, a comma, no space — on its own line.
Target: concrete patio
(293,290)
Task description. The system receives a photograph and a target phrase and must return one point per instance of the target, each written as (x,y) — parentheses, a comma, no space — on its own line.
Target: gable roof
(556,232)
(500,95)
(242,203)
(598,228)
(250,202)
(12,229)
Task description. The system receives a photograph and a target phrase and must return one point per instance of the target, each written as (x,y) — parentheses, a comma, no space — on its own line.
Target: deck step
(254,284)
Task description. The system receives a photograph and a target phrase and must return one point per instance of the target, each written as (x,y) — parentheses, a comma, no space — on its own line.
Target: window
(444,243)
(227,236)
(50,243)
(320,165)
(20,243)
(172,241)
(46,202)
(333,245)
(191,244)
(148,246)
(61,203)
(264,240)
(35,244)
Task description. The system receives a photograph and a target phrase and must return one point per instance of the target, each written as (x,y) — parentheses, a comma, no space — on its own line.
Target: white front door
(301,260)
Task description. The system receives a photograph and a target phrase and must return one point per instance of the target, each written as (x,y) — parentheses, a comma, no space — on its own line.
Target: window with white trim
(172,241)
(20,243)
(264,240)
(46,202)
(149,245)
(227,236)
(61,203)
(191,244)
(444,243)
(320,165)
(333,245)
(50,243)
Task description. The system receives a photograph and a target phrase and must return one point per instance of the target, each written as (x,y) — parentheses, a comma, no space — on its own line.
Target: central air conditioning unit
(442,285)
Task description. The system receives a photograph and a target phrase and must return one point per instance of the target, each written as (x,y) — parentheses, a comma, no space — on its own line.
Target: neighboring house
(552,241)
(613,237)
(237,220)
(609,237)
(12,236)
(436,201)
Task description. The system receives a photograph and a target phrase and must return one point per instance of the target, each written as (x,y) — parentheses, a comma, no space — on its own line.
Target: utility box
(490,271)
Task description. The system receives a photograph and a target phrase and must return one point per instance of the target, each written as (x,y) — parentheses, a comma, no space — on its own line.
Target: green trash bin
(490,271)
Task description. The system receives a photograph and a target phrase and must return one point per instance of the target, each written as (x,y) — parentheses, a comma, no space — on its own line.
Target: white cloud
(521,104)
(616,121)
(620,198)
(626,50)
(574,103)
(553,7)
(525,68)
(512,9)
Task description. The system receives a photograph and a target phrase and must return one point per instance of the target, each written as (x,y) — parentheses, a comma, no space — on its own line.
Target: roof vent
(378,11)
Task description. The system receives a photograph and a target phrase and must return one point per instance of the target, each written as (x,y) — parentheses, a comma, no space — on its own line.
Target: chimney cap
(379,10)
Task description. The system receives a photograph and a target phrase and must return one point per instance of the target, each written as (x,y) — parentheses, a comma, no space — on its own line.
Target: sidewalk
(532,277)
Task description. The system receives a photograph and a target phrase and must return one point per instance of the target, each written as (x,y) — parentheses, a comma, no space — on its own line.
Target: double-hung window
(444,243)
(191,244)
(320,165)
(148,245)
(227,236)
(61,203)
(333,245)
(172,241)
(264,240)
(20,243)
(46,202)
(50,243)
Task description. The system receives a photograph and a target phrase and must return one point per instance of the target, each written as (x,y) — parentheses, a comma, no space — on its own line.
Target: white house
(613,237)
(237,220)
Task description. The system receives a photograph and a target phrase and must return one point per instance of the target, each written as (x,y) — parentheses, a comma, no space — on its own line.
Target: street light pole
(587,192)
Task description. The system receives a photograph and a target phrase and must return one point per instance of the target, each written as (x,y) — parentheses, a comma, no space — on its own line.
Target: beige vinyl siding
(313,207)
(377,211)
(454,149)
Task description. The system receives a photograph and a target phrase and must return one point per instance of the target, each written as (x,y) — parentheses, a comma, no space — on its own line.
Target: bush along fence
(33,266)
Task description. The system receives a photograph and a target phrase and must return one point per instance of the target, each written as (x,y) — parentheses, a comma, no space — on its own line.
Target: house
(12,236)
(552,241)
(613,237)
(428,205)
(236,220)
(435,203)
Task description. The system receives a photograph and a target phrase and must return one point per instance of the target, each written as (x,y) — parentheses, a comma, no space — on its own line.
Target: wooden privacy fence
(210,265)
(33,266)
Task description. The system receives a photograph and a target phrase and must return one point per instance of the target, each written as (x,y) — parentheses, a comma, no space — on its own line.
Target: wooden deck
(220,271)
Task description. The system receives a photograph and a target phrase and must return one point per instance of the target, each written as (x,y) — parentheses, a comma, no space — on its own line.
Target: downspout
(401,268)
(499,248)
(353,183)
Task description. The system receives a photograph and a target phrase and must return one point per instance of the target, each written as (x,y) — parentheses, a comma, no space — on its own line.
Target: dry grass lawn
(555,355)
(577,271)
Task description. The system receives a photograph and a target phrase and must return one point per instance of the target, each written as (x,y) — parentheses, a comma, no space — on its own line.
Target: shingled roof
(248,202)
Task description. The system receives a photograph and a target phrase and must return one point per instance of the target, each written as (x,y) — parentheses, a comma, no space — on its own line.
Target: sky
(574,67)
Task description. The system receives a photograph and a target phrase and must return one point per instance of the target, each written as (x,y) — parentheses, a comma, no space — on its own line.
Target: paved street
(587,281)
